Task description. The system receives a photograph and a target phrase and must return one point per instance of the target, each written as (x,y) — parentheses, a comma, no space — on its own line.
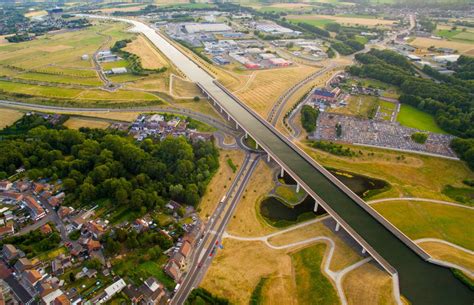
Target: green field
(316,22)
(424,219)
(289,194)
(312,286)
(410,116)
(456,35)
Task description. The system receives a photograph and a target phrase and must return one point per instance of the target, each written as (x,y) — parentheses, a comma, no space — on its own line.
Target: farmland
(411,117)
(462,47)
(348,21)
(265,88)
(8,117)
(76,123)
(150,57)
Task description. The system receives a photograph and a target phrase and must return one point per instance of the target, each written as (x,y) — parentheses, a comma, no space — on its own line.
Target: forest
(97,164)
(450,101)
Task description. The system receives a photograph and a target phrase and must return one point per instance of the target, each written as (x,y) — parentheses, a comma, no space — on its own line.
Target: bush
(309,115)
(419,137)
(332,148)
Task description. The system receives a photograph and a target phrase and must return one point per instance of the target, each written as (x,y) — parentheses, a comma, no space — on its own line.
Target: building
(57,199)
(7,230)
(444,59)
(173,270)
(29,279)
(10,252)
(22,264)
(279,62)
(110,291)
(120,70)
(61,300)
(275,29)
(193,28)
(37,212)
(5,185)
(12,196)
(152,291)
(321,95)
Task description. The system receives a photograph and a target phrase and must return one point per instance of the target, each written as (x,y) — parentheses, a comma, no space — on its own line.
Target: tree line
(134,61)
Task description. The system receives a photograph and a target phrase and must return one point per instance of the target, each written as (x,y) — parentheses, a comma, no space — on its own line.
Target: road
(195,115)
(420,281)
(214,230)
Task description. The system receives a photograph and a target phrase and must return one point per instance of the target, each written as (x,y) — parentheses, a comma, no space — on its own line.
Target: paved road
(196,115)
(214,230)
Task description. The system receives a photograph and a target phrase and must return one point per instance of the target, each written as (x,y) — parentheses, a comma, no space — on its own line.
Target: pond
(279,214)
(359,184)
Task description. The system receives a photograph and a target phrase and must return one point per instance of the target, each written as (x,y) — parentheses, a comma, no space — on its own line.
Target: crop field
(268,85)
(348,21)
(8,117)
(410,116)
(76,123)
(424,219)
(410,175)
(462,47)
(284,7)
(368,284)
(150,57)
(312,286)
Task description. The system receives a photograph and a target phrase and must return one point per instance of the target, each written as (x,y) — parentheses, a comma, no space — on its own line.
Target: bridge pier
(338,226)
(363,250)
(236,125)
(228,117)
(282,172)
(316,205)
(297,187)
(246,135)
(256,145)
(268,158)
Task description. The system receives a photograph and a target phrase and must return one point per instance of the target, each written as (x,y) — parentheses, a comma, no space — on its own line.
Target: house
(12,196)
(64,211)
(22,264)
(9,252)
(152,291)
(6,230)
(57,199)
(120,70)
(140,225)
(92,245)
(22,185)
(46,195)
(49,298)
(321,95)
(185,249)
(173,205)
(60,263)
(46,229)
(29,279)
(77,250)
(110,291)
(61,300)
(179,259)
(96,229)
(133,293)
(5,185)
(39,187)
(173,270)
(36,210)
(279,62)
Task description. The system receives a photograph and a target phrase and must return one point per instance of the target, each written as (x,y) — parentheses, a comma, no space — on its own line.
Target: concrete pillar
(256,145)
(282,172)
(297,187)
(337,226)
(228,117)
(236,125)
(221,109)
(363,250)
(246,135)
(315,206)
(268,158)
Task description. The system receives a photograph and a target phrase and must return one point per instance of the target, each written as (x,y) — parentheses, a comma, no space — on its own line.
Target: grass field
(368,284)
(410,175)
(150,57)
(410,116)
(8,117)
(184,88)
(76,123)
(349,21)
(467,36)
(316,22)
(449,254)
(386,109)
(289,194)
(312,286)
(268,85)
(424,219)
(360,105)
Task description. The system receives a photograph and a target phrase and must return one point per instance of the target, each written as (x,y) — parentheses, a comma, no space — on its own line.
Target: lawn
(316,22)
(461,194)
(364,106)
(410,116)
(289,194)
(312,286)
(424,219)
(8,117)
(456,35)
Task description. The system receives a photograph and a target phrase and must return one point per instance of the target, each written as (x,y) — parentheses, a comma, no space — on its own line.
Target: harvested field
(371,22)
(220,182)
(247,220)
(8,117)
(449,254)
(368,284)
(150,57)
(268,85)
(425,43)
(76,123)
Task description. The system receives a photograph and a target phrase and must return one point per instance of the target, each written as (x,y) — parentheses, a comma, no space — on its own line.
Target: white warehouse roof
(207,27)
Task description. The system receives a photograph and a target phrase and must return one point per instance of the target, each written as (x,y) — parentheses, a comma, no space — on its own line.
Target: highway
(214,229)
(420,281)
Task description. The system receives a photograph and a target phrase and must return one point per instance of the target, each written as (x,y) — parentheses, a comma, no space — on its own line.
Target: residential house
(7,230)
(12,195)
(29,279)
(49,298)
(153,291)
(22,264)
(56,200)
(9,252)
(185,249)
(93,245)
(22,186)
(96,229)
(61,300)
(109,292)
(63,211)
(36,210)
(173,270)
(5,185)
(46,229)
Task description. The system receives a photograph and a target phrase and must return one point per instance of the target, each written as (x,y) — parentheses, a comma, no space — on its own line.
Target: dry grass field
(410,176)
(449,254)
(8,117)
(246,220)
(462,47)
(220,182)
(150,57)
(183,88)
(370,22)
(268,85)
(76,123)
(368,284)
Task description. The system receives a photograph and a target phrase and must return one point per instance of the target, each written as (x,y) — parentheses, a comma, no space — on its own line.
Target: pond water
(274,210)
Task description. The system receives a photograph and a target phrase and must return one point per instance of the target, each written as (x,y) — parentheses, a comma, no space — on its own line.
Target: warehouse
(193,28)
